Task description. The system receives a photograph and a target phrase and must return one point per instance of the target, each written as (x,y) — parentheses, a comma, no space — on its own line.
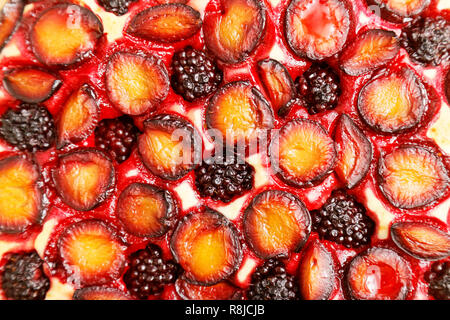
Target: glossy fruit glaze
(273,44)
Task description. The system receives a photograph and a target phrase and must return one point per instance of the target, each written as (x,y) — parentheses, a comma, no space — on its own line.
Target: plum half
(219,291)
(207,246)
(355,152)
(393,102)
(399,10)
(378,274)
(317,29)
(10,15)
(302,153)
(276,223)
(235,32)
(21,199)
(412,176)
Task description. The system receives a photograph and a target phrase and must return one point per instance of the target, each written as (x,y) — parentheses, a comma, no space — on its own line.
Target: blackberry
(271,282)
(319,88)
(119,7)
(427,40)
(116,137)
(343,220)
(222,178)
(438,278)
(149,273)
(195,75)
(23,277)
(30,127)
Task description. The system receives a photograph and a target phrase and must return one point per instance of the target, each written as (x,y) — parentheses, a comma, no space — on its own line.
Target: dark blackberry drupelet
(343,220)
(149,273)
(427,40)
(195,75)
(319,88)
(30,127)
(119,7)
(271,282)
(438,278)
(116,137)
(224,177)
(23,277)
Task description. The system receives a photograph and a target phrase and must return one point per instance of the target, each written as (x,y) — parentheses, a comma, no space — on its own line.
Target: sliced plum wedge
(399,10)
(355,152)
(170,146)
(91,252)
(100,293)
(316,272)
(83,178)
(78,116)
(378,274)
(10,14)
(278,83)
(276,223)
(30,84)
(207,246)
(145,210)
(317,29)
(136,83)
(412,176)
(21,199)
(65,34)
(233,34)
(393,102)
(239,112)
(370,50)
(302,153)
(166,23)
(421,240)
(220,291)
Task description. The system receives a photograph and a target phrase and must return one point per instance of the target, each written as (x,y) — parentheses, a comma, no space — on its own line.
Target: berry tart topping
(100,293)
(388,273)
(145,210)
(84,178)
(438,278)
(319,88)
(343,220)
(118,7)
(91,252)
(23,277)
(30,84)
(317,29)
(355,152)
(224,177)
(169,22)
(117,137)
(30,127)
(65,34)
(393,102)
(170,146)
(412,176)
(276,223)
(234,33)
(271,282)
(316,273)
(195,75)
(420,240)
(427,40)
(207,246)
(10,12)
(78,117)
(21,199)
(149,272)
(302,153)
